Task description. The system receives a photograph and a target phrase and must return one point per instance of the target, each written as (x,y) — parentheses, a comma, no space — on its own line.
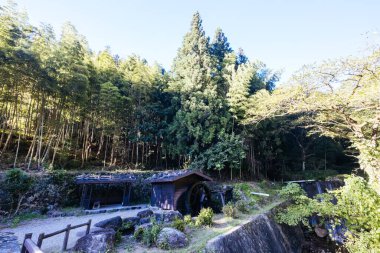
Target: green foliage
(229,210)
(292,191)
(138,233)
(16,220)
(188,220)
(238,93)
(22,192)
(242,192)
(226,153)
(302,209)
(118,236)
(179,224)
(343,107)
(71,108)
(202,115)
(357,204)
(17,184)
(58,188)
(204,217)
(148,235)
(242,206)
(121,110)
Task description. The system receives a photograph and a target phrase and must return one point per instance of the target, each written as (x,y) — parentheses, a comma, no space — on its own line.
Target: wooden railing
(28,246)
(42,236)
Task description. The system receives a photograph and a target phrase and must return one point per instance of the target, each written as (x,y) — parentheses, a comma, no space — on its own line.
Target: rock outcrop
(259,235)
(166,216)
(145,213)
(114,223)
(131,220)
(95,242)
(170,238)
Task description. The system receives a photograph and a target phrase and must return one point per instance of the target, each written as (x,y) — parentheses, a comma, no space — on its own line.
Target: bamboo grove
(63,105)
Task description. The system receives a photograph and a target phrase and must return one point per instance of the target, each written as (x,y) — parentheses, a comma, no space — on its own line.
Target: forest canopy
(65,106)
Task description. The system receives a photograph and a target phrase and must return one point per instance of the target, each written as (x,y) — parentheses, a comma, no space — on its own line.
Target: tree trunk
(18,146)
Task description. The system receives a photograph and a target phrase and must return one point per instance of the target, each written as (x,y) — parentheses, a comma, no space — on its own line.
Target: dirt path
(49,225)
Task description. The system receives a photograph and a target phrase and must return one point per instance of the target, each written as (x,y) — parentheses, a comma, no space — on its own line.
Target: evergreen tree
(241,58)
(201,117)
(222,56)
(238,93)
(219,48)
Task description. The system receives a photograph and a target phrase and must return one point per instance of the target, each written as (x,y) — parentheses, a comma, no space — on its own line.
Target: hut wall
(162,195)
(181,187)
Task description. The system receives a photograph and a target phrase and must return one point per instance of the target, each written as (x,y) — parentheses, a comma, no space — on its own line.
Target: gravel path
(49,225)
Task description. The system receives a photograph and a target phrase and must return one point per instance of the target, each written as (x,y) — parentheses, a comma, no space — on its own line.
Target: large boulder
(95,242)
(82,232)
(144,220)
(145,213)
(131,220)
(114,223)
(170,238)
(167,216)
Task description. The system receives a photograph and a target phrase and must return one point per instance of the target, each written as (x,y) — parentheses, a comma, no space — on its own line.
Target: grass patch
(25,217)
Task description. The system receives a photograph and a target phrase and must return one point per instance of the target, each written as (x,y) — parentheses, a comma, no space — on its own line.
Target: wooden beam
(31,247)
(300,181)
(27,236)
(260,194)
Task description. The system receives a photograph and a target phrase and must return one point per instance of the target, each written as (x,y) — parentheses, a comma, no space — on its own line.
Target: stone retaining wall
(259,235)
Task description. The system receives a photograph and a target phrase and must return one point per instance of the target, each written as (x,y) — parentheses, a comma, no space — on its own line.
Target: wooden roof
(164,177)
(104,178)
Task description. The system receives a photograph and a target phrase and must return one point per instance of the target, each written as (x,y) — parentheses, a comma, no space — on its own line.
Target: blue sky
(283,34)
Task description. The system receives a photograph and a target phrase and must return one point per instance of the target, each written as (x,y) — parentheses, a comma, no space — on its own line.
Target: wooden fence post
(66,239)
(88,227)
(27,236)
(40,239)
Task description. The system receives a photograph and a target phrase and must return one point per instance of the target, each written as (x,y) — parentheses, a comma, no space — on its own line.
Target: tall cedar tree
(201,116)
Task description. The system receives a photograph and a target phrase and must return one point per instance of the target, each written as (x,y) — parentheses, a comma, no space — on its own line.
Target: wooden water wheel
(198,197)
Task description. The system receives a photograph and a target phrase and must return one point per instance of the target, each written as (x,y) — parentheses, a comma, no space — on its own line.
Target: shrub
(242,191)
(357,203)
(138,233)
(118,236)
(148,235)
(155,230)
(188,220)
(57,189)
(205,217)
(164,245)
(230,211)
(179,224)
(242,206)
(17,183)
